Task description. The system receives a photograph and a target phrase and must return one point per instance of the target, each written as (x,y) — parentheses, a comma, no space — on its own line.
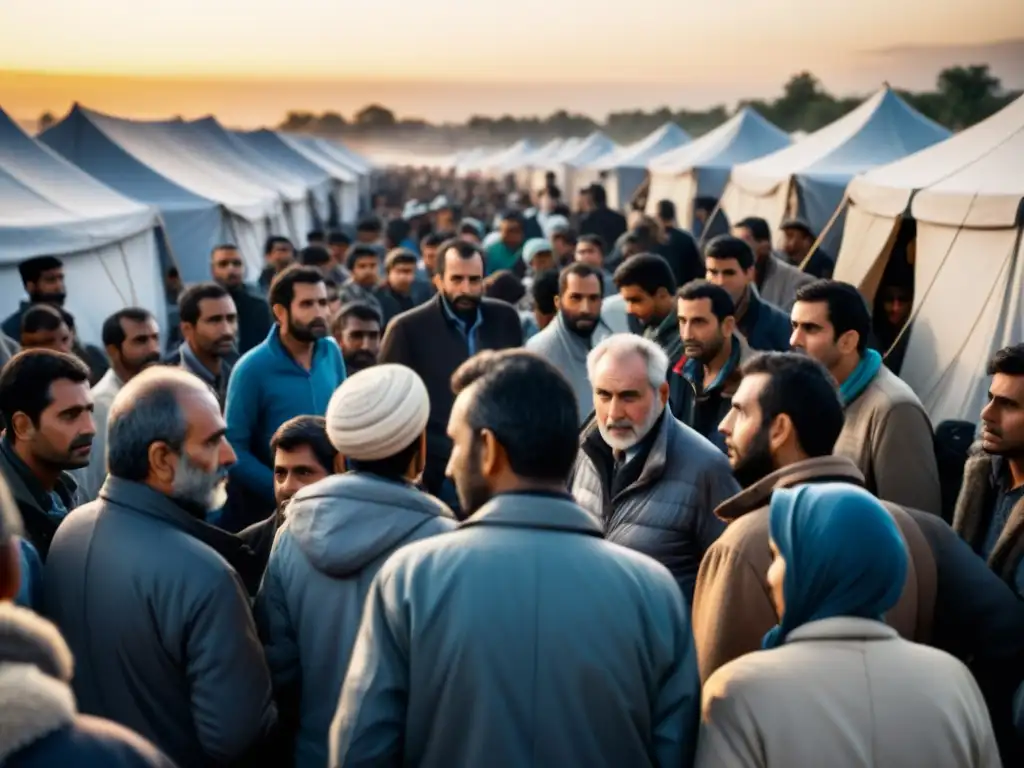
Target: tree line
(963,96)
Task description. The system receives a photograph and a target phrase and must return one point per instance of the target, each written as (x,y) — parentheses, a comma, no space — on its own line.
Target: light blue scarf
(862,375)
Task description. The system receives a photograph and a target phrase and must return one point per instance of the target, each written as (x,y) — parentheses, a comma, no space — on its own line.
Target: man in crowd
(132,340)
(317,256)
(506,252)
(369,231)
(990,510)
(43,327)
(469,229)
(316,238)
(364,266)
(338,244)
(43,280)
(777,280)
(679,248)
(209,325)
(543,291)
(279,254)
(47,409)
(293,372)
(590,249)
(887,433)
(527,571)
(785,420)
(150,598)
(563,240)
(601,220)
(651,482)
(798,238)
(730,263)
(400,290)
(437,337)
(427,265)
(336,537)
(648,288)
(706,377)
(357,329)
(566,342)
(254,320)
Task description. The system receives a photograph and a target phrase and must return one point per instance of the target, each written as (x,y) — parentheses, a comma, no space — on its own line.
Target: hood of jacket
(344,522)
(35,667)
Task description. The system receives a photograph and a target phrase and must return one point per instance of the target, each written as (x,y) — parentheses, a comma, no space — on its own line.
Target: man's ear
(780,432)
(729,326)
(280,314)
(22,427)
(163,462)
(847,343)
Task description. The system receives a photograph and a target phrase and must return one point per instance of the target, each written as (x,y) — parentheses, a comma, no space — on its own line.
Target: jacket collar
(453,319)
(813,470)
(656,458)
(540,511)
(24,486)
(842,628)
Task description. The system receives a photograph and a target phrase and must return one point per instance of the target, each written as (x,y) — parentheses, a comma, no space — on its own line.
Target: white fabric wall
(865,237)
(738,203)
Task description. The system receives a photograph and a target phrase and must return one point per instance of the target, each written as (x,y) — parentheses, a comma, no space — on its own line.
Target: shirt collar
(446,307)
(194,364)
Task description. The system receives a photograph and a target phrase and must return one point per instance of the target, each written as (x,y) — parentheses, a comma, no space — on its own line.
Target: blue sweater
(267,388)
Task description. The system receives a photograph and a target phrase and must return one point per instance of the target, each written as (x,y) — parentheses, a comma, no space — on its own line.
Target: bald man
(168,645)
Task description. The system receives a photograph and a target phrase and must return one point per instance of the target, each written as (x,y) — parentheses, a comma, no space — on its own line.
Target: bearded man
(577,327)
(651,481)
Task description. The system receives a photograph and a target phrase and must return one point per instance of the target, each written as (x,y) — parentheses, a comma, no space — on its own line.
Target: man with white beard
(650,480)
(150,598)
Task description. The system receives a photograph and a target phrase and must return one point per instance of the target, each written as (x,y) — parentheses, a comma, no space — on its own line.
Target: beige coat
(781,282)
(732,609)
(845,693)
(888,435)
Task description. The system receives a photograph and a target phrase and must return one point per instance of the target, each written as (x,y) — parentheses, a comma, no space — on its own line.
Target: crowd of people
(534,486)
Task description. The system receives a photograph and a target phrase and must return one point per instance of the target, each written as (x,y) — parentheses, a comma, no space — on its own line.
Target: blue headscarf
(843,551)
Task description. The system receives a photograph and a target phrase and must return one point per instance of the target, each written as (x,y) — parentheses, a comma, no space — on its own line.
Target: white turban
(377,412)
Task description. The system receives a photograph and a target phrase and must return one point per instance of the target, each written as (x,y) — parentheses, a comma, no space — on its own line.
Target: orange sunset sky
(249,61)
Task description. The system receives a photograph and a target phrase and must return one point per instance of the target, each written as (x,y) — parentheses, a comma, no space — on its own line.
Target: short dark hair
(1008,361)
(434,239)
(360,310)
(544,289)
(726,247)
(338,238)
(369,224)
(26,380)
(514,216)
(308,431)
(464,248)
(528,406)
(113,334)
(314,256)
(800,387)
(399,256)
(649,271)
(847,310)
(666,210)
(722,305)
(598,195)
(581,270)
(568,234)
(595,240)
(467,227)
(396,231)
(41,317)
(282,289)
(757,227)
(361,251)
(273,241)
(32,269)
(188,302)
(314,234)
(219,247)
(504,286)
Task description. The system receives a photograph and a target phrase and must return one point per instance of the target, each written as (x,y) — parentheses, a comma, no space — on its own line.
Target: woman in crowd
(835,684)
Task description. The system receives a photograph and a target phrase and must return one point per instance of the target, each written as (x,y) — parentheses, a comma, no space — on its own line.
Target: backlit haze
(250,61)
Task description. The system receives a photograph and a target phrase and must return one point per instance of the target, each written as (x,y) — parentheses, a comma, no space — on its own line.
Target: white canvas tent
(107,242)
(621,172)
(509,159)
(341,169)
(967,198)
(524,174)
(809,177)
(701,168)
(570,159)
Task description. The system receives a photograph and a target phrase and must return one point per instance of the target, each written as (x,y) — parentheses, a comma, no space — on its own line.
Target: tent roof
(882,129)
(313,150)
(510,158)
(545,152)
(353,159)
(48,205)
(278,153)
(975,178)
(664,139)
(743,137)
(596,145)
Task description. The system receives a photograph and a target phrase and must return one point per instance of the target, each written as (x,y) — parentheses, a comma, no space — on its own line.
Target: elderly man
(651,481)
(151,599)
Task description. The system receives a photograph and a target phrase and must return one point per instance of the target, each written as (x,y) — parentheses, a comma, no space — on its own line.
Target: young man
(590,249)
(706,377)
(600,219)
(798,238)
(209,325)
(364,266)
(400,290)
(648,288)
(279,254)
(357,329)
(294,372)
(679,248)
(730,264)
(887,433)
(43,280)
(254,319)
(506,253)
(43,327)
(777,280)
(338,244)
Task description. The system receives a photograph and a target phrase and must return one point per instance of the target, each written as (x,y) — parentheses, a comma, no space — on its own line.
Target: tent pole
(824,232)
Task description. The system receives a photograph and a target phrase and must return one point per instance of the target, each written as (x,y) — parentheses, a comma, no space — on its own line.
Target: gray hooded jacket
(337,535)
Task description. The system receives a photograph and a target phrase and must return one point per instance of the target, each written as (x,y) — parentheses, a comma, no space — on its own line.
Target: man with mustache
(292,373)
(132,341)
(43,279)
(356,328)
(651,481)
(254,321)
(209,325)
(47,408)
(566,342)
(151,599)
(435,338)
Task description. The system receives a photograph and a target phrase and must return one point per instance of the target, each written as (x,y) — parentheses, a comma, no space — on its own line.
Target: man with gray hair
(151,599)
(650,480)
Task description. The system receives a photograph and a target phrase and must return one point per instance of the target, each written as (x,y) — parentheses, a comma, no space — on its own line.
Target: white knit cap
(377,412)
